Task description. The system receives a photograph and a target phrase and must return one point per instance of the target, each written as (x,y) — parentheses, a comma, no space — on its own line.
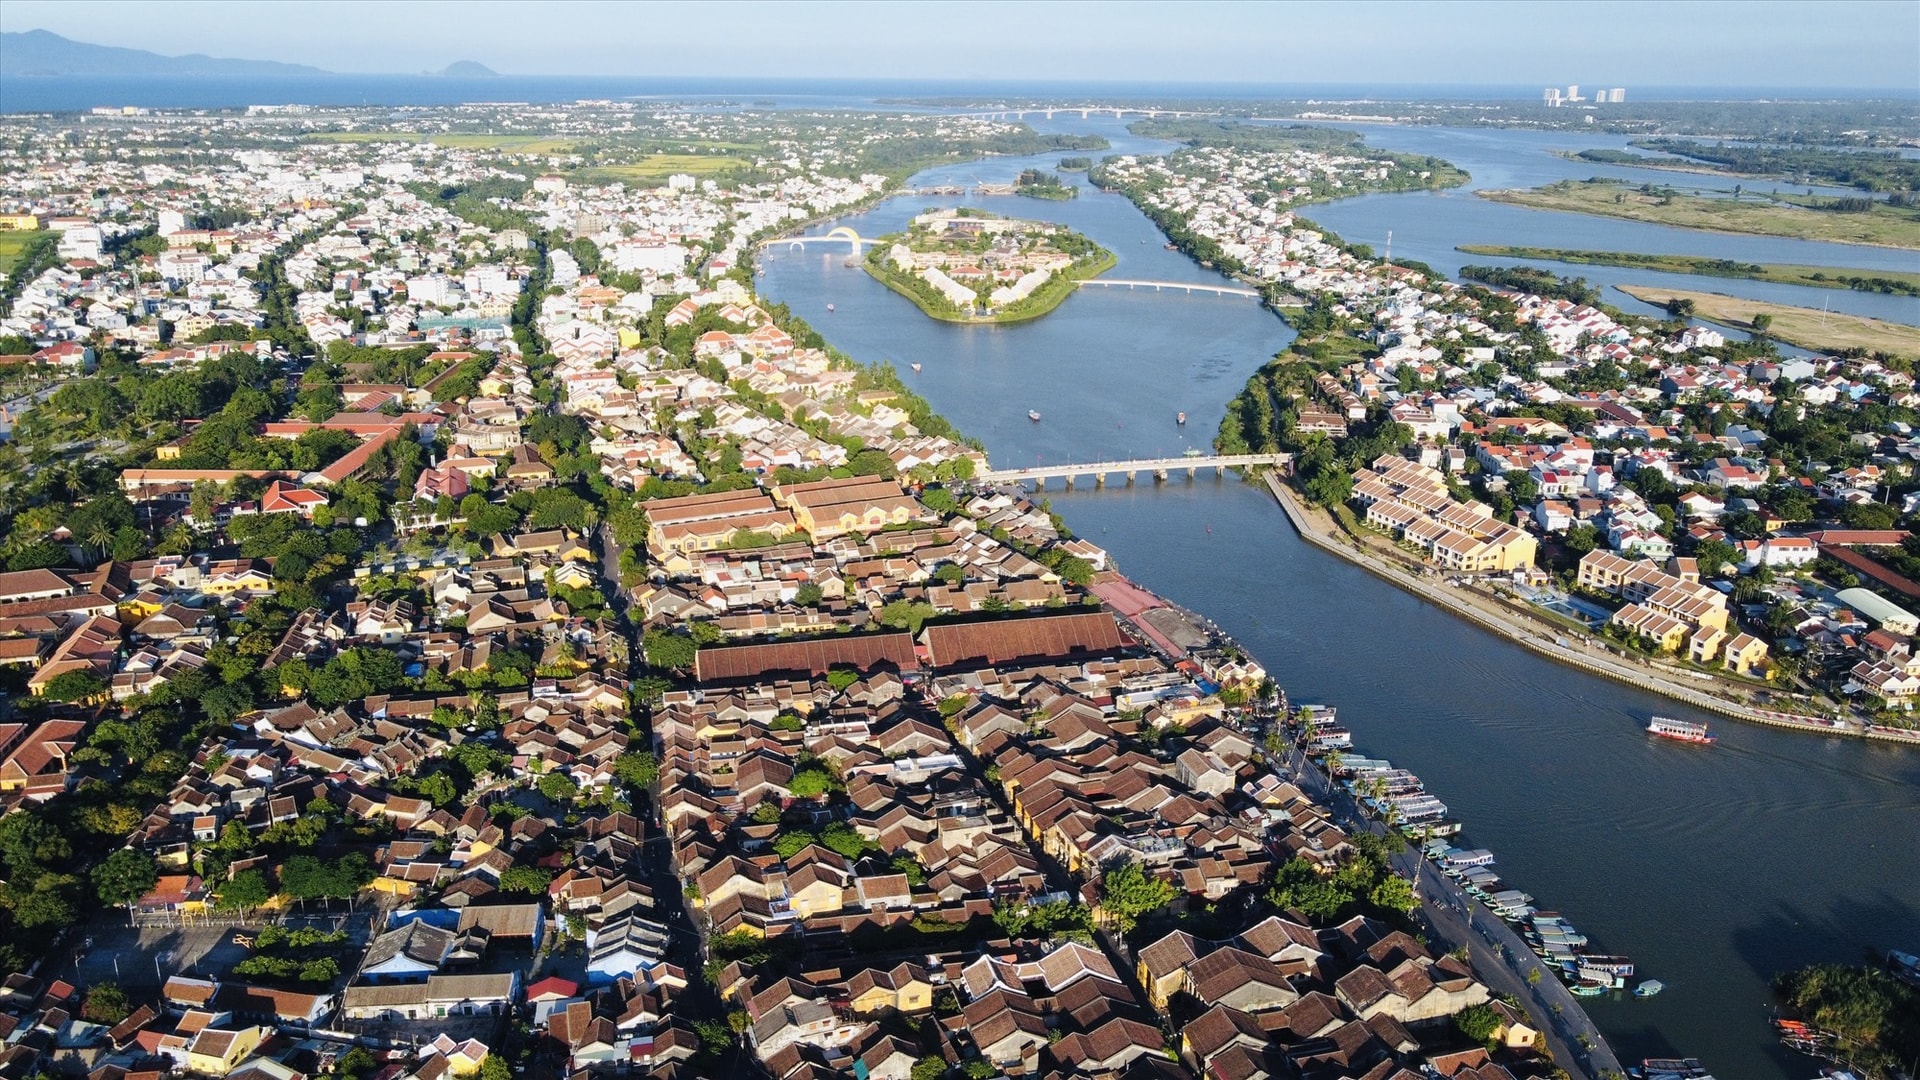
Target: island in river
(1901,282)
(965,265)
(1809,328)
(1834,221)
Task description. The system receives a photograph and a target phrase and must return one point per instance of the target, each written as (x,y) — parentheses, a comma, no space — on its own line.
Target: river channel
(1714,868)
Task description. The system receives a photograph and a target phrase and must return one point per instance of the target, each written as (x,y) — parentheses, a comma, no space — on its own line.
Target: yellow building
(215,1051)
(18,223)
(1747,655)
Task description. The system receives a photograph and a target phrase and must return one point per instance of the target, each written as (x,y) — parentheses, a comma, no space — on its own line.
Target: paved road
(1498,955)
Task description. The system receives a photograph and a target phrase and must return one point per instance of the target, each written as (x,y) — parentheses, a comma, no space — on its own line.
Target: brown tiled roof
(815,656)
(1001,641)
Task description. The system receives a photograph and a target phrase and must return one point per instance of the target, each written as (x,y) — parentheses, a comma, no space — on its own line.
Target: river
(1713,867)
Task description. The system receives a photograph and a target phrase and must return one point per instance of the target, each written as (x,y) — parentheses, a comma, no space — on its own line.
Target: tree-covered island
(965,265)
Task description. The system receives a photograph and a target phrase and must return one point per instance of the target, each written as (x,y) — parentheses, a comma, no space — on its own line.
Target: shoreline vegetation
(1809,328)
(1868,170)
(1870,223)
(1891,282)
(1035,184)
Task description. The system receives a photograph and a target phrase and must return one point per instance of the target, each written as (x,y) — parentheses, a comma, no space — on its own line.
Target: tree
(929,1068)
(637,768)
(124,877)
(1679,307)
(526,879)
(1393,893)
(495,1067)
(1128,892)
(74,686)
(244,892)
(1581,539)
(1762,322)
(669,651)
(1713,556)
(106,1004)
(558,787)
(807,595)
(1477,1022)
(811,781)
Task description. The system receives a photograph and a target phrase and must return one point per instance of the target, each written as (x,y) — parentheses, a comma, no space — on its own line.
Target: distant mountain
(41,52)
(469,69)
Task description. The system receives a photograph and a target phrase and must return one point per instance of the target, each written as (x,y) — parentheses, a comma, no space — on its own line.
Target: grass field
(1819,277)
(658,167)
(1806,327)
(14,244)
(1884,226)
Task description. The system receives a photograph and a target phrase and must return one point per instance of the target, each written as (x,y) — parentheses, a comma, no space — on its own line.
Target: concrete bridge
(1188,286)
(1100,470)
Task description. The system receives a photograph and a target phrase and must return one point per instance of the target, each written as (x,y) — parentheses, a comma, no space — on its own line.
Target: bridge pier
(1130,477)
(1069,480)
(1099,481)
(1159,476)
(1190,473)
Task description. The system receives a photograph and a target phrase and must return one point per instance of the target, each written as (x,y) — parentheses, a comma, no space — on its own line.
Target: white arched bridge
(840,235)
(1100,470)
(1186,286)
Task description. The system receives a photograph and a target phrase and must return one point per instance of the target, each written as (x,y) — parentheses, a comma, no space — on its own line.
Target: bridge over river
(1156,286)
(1100,470)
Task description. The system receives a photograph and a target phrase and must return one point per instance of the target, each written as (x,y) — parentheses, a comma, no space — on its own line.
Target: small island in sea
(966,265)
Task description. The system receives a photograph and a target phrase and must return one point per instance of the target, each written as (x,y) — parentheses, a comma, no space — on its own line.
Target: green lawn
(15,244)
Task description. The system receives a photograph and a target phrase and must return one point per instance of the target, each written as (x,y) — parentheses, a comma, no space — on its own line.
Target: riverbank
(1546,639)
(1881,227)
(1809,328)
(1815,277)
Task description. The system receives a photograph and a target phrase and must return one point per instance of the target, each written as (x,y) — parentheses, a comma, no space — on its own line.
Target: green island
(1896,282)
(1868,170)
(1838,221)
(970,266)
(1074,164)
(1035,184)
(1874,1018)
(1809,328)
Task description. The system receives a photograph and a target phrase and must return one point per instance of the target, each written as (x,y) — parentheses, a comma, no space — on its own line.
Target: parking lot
(142,956)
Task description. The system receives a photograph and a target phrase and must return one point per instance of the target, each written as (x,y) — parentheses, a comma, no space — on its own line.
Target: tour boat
(1033,414)
(1682,730)
(1180,418)
(916,368)
(1649,988)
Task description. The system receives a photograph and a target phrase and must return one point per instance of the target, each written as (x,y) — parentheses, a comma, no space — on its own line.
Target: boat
(916,368)
(1192,451)
(1905,967)
(1681,730)
(1588,989)
(1617,965)
(1649,988)
(1033,414)
(1180,418)
(829,309)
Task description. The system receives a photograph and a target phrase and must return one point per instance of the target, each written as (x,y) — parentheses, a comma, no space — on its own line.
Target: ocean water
(20,93)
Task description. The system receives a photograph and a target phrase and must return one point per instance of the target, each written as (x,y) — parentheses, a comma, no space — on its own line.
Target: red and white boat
(1682,730)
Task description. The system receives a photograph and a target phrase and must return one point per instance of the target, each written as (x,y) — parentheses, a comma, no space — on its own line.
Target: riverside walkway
(1525,629)
(1100,470)
(1498,954)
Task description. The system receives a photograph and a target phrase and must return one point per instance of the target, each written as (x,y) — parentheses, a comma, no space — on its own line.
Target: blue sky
(1787,43)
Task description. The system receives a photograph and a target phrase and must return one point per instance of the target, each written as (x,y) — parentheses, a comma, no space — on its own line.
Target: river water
(1714,868)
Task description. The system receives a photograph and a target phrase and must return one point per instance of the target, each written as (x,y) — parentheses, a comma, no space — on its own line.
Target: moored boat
(829,309)
(1180,418)
(1649,988)
(1682,730)
(1033,414)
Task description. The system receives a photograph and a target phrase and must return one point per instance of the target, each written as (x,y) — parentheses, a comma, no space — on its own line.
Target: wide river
(1714,868)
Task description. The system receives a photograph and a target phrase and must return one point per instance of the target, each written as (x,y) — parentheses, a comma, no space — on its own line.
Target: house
(409,954)
(626,945)
(216,1051)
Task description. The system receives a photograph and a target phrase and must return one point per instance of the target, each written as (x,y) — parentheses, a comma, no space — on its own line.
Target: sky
(1840,44)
